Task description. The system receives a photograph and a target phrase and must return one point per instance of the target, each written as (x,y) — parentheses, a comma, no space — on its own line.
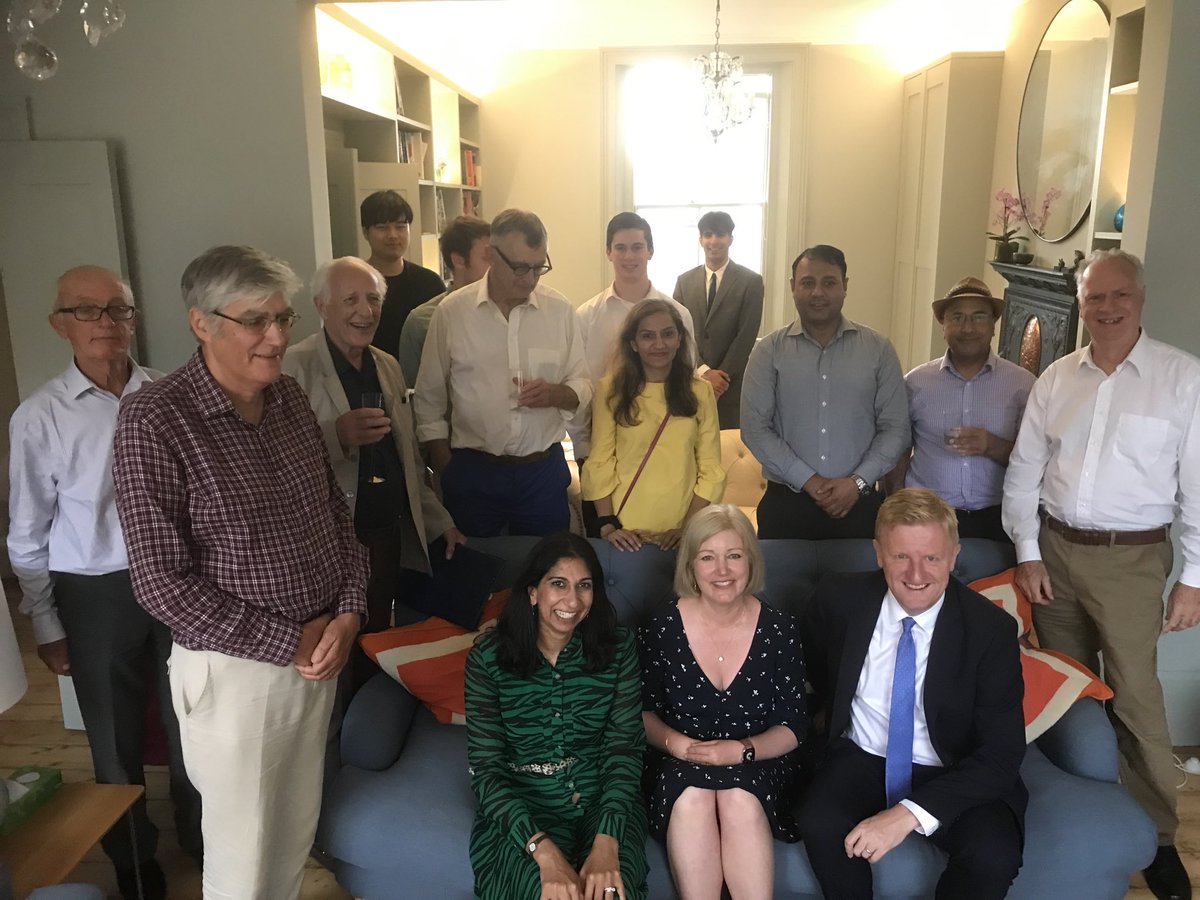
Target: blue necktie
(898,774)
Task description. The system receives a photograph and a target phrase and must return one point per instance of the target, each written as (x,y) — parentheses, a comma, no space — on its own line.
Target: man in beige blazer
(726,302)
(373,450)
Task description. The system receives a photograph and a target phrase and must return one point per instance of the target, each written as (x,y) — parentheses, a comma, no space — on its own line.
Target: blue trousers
(487,497)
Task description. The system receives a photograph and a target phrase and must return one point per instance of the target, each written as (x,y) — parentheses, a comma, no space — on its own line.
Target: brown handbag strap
(649,450)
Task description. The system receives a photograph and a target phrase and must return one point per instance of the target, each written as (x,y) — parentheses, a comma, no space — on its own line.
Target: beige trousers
(253,739)
(1108,604)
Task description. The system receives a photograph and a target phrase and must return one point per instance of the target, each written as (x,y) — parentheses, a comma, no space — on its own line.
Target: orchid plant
(1009,218)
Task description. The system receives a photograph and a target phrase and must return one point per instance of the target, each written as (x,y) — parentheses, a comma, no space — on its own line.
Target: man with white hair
(241,542)
(67,550)
(373,450)
(1107,456)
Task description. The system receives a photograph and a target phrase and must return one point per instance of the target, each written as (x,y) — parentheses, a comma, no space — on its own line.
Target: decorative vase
(1119,219)
(1004,251)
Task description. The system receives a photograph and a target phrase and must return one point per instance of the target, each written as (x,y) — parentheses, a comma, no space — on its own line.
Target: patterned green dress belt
(550,768)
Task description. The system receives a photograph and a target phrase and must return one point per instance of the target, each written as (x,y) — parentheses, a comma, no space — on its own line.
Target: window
(663,164)
(679,172)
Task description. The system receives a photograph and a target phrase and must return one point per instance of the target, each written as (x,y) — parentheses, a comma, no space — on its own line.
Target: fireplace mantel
(1041,318)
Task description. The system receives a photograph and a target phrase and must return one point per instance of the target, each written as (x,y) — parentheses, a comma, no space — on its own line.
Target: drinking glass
(372,400)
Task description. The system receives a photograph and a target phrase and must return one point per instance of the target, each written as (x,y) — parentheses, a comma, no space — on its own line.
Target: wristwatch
(748,753)
(861,484)
(532,846)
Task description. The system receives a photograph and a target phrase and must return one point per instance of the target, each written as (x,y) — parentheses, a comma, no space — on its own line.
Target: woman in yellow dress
(656,443)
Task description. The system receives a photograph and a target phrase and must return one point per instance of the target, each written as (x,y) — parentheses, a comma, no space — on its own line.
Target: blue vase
(1119,219)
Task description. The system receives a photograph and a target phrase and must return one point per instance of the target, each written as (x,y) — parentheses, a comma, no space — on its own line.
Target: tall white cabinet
(947,143)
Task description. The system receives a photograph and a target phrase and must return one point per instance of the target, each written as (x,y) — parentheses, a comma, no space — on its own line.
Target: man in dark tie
(918,680)
(726,302)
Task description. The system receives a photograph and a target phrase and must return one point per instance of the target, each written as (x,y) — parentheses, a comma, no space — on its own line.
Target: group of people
(246,526)
(916,683)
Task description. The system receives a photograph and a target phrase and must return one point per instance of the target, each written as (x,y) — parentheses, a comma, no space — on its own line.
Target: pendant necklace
(723,647)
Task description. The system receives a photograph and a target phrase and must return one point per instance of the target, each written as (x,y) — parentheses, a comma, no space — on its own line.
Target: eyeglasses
(260,324)
(979,318)
(118,312)
(523,269)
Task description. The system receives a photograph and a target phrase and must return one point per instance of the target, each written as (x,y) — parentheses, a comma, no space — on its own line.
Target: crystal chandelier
(725,102)
(33,58)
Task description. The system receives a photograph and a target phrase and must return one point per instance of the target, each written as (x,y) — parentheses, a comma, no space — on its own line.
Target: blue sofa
(397,814)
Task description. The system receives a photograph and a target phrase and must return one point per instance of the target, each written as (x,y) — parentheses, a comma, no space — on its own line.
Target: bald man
(68,552)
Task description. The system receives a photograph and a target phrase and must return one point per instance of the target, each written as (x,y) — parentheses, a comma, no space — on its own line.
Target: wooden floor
(32,733)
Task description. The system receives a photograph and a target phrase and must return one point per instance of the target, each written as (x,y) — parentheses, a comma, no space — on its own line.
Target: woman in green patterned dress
(555,739)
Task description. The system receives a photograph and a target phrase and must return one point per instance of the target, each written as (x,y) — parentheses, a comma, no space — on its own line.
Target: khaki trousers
(1108,604)
(253,739)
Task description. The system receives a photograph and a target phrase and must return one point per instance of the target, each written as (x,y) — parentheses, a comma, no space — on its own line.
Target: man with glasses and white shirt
(240,540)
(68,552)
(1107,457)
(502,372)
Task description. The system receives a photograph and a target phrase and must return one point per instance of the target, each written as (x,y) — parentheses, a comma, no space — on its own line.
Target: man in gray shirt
(824,410)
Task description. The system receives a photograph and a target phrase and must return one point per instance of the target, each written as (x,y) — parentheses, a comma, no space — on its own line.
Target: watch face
(748,755)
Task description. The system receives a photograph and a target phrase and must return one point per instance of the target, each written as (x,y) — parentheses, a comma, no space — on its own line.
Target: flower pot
(1005,250)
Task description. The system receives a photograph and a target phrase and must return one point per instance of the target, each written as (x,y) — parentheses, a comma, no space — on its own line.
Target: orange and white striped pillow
(1053,681)
(429,658)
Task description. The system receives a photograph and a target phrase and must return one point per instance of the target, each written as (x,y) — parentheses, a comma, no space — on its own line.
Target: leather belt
(526,460)
(1107,538)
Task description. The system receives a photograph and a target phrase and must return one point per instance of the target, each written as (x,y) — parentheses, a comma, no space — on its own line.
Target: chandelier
(725,101)
(33,58)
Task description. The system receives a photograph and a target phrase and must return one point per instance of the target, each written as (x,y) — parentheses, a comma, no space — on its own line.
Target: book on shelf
(469,167)
(412,147)
(440,207)
(469,207)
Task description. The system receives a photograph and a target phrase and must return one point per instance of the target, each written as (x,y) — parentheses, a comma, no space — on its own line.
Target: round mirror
(1060,120)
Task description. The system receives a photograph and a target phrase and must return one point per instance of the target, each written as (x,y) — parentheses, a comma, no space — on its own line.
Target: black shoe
(1166,877)
(154,882)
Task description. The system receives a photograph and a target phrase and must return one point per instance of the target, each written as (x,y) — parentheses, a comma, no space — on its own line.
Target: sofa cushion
(1053,681)
(430,658)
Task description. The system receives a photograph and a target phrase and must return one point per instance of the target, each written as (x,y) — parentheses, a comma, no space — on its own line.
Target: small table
(47,848)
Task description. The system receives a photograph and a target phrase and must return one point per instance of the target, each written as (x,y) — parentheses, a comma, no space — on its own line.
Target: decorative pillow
(457,588)
(1053,681)
(429,658)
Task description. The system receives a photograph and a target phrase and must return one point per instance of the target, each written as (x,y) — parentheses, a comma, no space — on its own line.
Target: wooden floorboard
(32,733)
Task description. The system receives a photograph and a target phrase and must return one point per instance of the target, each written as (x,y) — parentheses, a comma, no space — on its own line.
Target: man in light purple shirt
(965,408)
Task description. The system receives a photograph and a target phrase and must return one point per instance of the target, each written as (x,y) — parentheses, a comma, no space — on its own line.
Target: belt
(514,460)
(550,768)
(1107,538)
(989,510)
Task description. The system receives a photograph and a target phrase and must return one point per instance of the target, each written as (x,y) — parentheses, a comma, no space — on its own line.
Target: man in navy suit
(919,680)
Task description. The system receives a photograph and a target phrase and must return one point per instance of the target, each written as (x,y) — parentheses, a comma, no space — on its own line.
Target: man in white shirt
(68,552)
(502,373)
(1107,456)
(930,735)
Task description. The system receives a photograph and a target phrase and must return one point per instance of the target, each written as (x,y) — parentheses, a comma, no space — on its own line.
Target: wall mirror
(1060,120)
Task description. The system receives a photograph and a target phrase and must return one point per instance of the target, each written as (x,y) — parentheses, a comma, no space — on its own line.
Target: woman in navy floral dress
(723,705)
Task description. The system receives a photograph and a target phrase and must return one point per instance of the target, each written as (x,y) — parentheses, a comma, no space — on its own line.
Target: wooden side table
(47,848)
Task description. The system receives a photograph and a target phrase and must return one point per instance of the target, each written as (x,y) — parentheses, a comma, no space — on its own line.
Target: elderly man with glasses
(241,542)
(67,550)
(502,373)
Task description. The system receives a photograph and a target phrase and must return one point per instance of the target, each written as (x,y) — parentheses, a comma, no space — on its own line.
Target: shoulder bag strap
(649,450)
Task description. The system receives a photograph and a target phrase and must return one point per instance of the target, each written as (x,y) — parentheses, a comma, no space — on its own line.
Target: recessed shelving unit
(391,122)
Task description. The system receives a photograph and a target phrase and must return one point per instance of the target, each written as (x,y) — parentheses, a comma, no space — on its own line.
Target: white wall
(210,108)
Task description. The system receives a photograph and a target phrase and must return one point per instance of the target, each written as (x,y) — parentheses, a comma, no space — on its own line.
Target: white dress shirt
(600,321)
(871,707)
(464,387)
(1112,452)
(61,505)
